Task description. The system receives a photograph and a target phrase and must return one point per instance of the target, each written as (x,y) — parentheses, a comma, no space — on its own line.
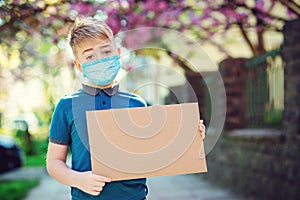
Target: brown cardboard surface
(131,143)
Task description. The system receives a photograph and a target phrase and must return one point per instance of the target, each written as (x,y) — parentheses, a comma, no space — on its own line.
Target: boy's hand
(201,129)
(91,183)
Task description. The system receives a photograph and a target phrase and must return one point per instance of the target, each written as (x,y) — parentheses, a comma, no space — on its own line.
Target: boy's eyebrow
(86,50)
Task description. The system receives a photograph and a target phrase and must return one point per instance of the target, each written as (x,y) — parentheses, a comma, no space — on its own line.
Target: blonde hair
(88,28)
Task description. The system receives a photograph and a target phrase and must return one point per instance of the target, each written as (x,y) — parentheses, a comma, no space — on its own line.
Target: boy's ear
(78,65)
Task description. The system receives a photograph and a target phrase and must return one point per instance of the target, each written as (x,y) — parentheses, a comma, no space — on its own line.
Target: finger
(99,184)
(202,127)
(201,121)
(97,188)
(94,193)
(102,178)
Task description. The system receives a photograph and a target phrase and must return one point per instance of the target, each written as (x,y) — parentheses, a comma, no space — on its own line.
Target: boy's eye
(106,52)
(89,57)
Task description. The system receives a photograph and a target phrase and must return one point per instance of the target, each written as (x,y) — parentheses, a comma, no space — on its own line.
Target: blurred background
(254,45)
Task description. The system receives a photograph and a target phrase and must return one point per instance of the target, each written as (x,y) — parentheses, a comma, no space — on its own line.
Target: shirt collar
(94,91)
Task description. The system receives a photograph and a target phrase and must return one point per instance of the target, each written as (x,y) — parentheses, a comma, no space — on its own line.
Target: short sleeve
(59,131)
(137,101)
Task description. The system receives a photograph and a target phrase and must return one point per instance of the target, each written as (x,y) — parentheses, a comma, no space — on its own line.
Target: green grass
(39,157)
(16,190)
(35,160)
(40,145)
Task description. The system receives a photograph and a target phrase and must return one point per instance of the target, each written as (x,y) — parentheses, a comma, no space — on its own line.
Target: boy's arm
(56,164)
(57,168)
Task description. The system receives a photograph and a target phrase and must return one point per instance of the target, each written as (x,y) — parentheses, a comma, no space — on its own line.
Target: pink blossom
(260,5)
(162,5)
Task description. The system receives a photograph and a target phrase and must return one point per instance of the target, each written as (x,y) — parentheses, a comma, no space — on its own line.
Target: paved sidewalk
(49,189)
(24,173)
(180,187)
(186,187)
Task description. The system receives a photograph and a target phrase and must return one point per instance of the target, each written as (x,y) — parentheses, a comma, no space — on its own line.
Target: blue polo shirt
(69,127)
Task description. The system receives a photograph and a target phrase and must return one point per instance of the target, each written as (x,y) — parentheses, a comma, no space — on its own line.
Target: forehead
(87,44)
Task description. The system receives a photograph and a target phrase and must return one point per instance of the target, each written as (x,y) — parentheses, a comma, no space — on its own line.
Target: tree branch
(183,64)
(248,41)
(293,6)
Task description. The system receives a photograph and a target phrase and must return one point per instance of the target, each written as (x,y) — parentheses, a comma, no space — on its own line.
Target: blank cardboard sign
(140,142)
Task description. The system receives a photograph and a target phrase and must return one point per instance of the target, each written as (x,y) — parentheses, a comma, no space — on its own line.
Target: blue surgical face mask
(103,71)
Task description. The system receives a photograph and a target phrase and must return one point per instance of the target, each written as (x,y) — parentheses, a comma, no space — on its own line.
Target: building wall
(256,167)
(291,57)
(234,76)
(265,165)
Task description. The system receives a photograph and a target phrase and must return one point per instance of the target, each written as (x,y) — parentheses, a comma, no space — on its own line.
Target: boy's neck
(102,87)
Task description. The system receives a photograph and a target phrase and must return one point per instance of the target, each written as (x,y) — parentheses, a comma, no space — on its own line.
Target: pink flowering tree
(24,22)
(202,18)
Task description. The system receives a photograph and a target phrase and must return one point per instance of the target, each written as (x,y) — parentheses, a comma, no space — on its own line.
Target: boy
(97,57)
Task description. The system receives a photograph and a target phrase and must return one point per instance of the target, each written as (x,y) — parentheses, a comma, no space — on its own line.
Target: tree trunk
(260,46)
